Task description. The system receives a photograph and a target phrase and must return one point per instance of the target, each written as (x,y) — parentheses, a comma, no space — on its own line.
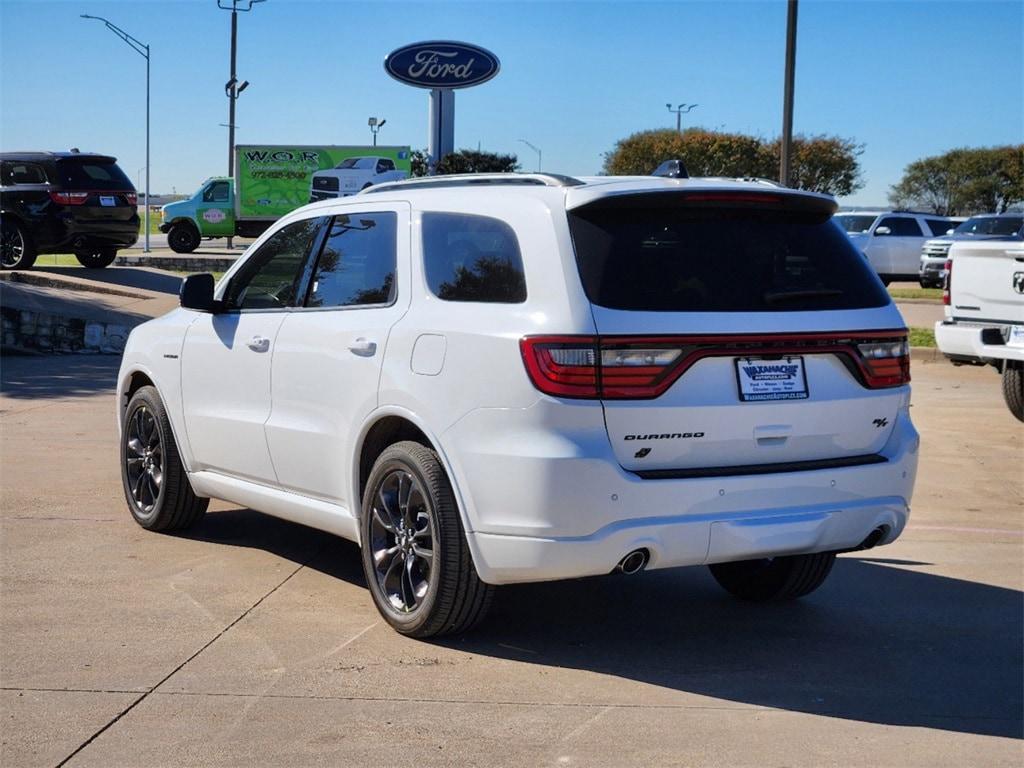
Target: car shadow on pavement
(57,376)
(125,277)
(877,643)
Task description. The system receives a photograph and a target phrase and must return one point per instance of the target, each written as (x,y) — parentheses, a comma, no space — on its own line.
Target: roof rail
(467,179)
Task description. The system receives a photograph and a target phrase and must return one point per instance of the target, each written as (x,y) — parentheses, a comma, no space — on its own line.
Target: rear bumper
(965,340)
(60,234)
(575,512)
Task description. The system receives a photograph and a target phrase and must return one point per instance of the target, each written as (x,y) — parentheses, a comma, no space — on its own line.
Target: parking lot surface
(252,641)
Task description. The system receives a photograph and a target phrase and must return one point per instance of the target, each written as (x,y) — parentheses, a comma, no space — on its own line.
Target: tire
(16,249)
(775,578)
(160,500)
(417,594)
(97,259)
(1013,388)
(183,237)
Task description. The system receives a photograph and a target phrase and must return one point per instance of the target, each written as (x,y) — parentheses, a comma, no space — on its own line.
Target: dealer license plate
(763,379)
(108,200)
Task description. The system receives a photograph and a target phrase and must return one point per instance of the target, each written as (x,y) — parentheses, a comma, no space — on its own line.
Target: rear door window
(357,263)
(900,226)
(91,173)
(472,258)
(661,253)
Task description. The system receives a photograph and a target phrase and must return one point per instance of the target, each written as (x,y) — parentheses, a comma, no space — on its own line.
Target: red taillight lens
(564,366)
(132,198)
(885,363)
(69,198)
(948,282)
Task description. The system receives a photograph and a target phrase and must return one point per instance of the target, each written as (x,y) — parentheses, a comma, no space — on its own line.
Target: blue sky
(907,79)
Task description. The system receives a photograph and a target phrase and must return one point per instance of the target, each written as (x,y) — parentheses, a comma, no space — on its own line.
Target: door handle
(363,347)
(259,343)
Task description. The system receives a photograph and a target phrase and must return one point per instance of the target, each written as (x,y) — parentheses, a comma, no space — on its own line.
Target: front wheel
(774,578)
(1013,387)
(156,485)
(16,251)
(98,258)
(183,237)
(414,549)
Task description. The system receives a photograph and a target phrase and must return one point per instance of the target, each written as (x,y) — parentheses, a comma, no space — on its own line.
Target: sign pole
(442,126)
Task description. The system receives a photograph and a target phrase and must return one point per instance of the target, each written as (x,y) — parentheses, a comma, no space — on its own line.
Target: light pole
(679,111)
(375,125)
(232,88)
(785,159)
(143,50)
(535,149)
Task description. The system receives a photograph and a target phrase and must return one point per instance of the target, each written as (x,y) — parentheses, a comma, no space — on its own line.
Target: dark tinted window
(854,223)
(90,173)
(357,263)
(673,257)
(13,172)
(991,225)
(216,192)
(900,226)
(939,227)
(472,258)
(270,278)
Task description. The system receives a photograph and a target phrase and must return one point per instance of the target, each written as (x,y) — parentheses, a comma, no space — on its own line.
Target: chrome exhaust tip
(632,563)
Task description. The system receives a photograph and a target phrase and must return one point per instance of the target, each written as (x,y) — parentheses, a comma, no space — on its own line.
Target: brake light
(885,363)
(948,282)
(69,198)
(132,198)
(636,368)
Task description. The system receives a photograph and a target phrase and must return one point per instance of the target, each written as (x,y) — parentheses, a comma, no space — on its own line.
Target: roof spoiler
(672,169)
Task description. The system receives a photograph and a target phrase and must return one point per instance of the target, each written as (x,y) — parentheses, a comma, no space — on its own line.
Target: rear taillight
(885,363)
(132,198)
(69,198)
(948,282)
(637,368)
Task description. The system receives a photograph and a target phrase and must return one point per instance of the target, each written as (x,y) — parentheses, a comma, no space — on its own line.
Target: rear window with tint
(91,174)
(668,256)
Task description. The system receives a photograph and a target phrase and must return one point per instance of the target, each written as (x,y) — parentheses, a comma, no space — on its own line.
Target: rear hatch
(737,331)
(95,190)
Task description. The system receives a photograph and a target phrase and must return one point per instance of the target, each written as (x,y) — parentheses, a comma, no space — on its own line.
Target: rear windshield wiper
(776,297)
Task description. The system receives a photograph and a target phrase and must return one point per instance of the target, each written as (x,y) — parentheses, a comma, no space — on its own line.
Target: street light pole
(785,160)
(375,124)
(232,89)
(679,111)
(143,50)
(535,149)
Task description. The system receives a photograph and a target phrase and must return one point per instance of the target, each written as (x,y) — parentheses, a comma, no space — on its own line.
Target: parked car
(504,378)
(989,226)
(984,322)
(60,202)
(352,175)
(892,240)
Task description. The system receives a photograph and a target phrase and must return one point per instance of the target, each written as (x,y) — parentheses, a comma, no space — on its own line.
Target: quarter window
(357,263)
(270,278)
(472,258)
(901,226)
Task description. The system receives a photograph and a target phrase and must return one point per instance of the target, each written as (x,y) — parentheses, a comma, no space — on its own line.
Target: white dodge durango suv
(507,378)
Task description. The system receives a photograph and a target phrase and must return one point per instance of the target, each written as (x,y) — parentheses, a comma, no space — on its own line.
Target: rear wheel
(183,237)
(774,578)
(16,251)
(414,549)
(1013,388)
(156,485)
(97,258)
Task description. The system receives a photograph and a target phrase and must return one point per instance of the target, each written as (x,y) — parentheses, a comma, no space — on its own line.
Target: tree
(963,181)
(472,161)
(820,163)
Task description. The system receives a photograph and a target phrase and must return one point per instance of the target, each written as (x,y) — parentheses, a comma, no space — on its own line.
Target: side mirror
(197,293)
(883,231)
(950,231)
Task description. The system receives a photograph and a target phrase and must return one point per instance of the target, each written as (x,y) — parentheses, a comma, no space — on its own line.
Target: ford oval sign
(442,64)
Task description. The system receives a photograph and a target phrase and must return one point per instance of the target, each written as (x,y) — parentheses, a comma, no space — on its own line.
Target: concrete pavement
(253,641)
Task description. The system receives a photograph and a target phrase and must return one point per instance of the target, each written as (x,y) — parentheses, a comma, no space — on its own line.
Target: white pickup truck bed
(984,321)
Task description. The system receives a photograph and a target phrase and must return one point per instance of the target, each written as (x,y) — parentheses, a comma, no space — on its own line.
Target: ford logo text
(441,64)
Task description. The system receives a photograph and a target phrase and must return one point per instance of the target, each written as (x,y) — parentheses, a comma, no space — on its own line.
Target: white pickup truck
(984,324)
(352,175)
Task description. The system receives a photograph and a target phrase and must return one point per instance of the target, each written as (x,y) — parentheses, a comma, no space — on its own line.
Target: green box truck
(273,180)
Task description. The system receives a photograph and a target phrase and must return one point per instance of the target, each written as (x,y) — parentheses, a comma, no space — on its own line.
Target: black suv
(60,202)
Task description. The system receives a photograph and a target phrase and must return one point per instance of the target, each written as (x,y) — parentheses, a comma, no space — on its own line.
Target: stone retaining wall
(183,263)
(25,330)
